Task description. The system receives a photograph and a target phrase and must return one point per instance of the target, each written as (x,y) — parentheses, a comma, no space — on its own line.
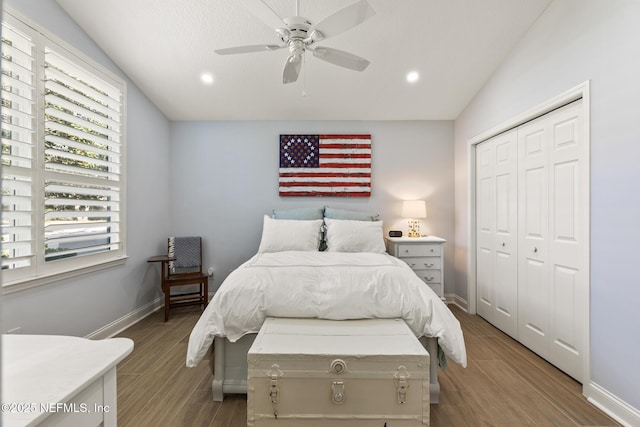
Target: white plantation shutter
(82,138)
(62,156)
(18,139)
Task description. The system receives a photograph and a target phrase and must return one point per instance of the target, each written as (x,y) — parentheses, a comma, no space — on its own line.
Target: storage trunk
(312,372)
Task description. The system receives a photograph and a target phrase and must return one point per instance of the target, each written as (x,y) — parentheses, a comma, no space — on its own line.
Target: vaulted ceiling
(165,46)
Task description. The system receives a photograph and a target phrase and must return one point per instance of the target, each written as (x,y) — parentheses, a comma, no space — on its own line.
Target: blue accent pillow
(349,215)
(305,214)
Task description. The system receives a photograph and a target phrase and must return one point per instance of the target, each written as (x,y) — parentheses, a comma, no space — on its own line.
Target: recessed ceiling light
(207,78)
(413,76)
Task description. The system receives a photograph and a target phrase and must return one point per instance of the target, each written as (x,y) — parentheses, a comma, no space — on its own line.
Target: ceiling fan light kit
(299,35)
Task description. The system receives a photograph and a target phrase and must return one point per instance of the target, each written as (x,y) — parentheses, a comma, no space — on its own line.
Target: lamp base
(414,228)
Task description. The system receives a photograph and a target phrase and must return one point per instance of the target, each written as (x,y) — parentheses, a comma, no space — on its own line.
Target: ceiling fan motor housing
(297,29)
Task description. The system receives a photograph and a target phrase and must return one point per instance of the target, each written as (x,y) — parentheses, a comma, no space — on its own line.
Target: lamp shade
(414,209)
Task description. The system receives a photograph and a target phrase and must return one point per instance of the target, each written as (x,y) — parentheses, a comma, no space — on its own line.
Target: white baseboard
(130,319)
(616,408)
(455,299)
(127,320)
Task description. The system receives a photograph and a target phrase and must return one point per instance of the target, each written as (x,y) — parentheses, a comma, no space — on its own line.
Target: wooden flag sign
(325,165)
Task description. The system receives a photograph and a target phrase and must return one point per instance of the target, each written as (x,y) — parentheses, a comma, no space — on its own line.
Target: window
(62,159)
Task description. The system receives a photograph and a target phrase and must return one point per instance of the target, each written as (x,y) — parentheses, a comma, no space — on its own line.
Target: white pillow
(354,236)
(289,235)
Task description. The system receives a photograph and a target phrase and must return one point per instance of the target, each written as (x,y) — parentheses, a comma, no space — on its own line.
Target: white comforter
(325,285)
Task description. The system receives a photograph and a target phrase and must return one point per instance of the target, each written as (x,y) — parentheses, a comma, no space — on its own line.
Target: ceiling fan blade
(291,69)
(341,58)
(247,49)
(264,12)
(345,19)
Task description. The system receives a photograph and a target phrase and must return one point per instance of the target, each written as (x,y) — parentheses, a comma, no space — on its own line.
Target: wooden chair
(183,266)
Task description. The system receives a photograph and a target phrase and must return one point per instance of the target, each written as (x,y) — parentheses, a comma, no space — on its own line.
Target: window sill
(22,285)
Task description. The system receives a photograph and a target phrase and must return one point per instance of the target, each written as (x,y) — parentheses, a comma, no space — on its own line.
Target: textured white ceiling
(165,45)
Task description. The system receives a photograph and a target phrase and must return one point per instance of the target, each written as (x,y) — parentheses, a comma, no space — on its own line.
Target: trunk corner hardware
(402,384)
(337,392)
(274,390)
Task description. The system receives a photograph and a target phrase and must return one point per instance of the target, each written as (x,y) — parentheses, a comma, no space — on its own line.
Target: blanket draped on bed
(326,285)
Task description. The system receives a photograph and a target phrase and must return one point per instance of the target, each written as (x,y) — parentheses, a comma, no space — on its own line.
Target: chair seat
(185,278)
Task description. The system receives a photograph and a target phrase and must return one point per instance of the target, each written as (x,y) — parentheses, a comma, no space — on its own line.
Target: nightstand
(425,256)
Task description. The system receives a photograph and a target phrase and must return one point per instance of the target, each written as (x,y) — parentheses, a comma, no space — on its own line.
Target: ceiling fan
(299,35)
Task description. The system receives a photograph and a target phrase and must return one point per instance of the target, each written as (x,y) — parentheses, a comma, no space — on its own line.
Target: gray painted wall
(225,179)
(89,302)
(574,41)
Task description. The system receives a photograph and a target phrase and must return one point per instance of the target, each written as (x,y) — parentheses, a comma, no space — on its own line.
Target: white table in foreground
(53,380)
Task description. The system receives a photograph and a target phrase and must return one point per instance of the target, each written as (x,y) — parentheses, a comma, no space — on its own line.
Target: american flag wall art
(325,165)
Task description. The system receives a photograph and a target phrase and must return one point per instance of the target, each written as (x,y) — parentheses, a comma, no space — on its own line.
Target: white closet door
(506,236)
(533,214)
(567,206)
(552,208)
(485,230)
(532,235)
(497,231)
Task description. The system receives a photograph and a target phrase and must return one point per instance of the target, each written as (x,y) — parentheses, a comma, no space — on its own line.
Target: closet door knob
(503,244)
(535,250)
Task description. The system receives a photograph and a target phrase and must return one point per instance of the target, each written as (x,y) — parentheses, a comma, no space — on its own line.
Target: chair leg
(206,293)
(167,304)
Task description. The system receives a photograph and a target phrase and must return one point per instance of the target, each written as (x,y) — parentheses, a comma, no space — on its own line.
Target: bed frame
(230,366)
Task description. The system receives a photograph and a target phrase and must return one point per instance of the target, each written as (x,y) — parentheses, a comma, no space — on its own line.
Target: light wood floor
(504,384)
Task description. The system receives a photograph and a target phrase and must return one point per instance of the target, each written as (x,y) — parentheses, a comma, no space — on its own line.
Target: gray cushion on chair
(187,252)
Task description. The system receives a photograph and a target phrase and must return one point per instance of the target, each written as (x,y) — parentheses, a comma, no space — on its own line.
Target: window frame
(43,272)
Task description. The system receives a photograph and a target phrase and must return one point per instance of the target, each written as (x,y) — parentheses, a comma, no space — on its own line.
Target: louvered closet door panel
(567,223)
(485,230)
(506,235)
(533,196)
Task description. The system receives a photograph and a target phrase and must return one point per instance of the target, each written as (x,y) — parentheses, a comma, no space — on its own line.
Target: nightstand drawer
(411,250)
(422,263)
(429,276)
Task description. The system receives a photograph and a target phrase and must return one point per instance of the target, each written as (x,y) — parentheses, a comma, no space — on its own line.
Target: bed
(353,279)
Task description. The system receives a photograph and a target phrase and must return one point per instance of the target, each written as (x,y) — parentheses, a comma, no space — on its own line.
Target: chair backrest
(187,252)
